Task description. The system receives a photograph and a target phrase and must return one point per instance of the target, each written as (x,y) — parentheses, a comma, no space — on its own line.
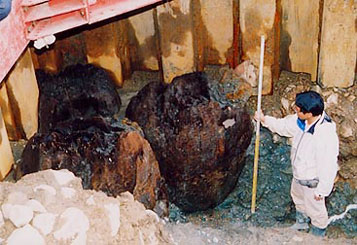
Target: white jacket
(314,149)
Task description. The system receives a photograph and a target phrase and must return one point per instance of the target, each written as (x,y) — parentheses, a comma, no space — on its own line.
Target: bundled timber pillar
(144,52)
(299,36)
(6,157)
(261,17)
(107,47)
(175,24)
(19,99)
(338,50)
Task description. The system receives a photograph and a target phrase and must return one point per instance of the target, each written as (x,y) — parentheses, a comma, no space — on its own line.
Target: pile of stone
(51,207)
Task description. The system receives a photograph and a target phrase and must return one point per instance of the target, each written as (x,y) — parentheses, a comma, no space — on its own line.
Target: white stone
(346,131)
(215,240)
(17,197)
(332,99)
(44,222)
(46,188)
(153,214)
(25,235)
(63,177)
(90,201)
(229,123)
(1,240)
(6,207)
(113,212)
(285,104)
(68,192)
(2,222)
(20,215)
(36,206)
(81,239)
(74,222)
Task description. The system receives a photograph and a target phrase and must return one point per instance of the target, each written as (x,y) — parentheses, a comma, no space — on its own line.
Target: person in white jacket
(314,153)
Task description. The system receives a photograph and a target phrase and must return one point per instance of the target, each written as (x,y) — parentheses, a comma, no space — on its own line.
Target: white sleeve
(327,148)
(286,126)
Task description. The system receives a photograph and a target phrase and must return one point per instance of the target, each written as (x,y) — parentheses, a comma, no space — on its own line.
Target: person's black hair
(310,101)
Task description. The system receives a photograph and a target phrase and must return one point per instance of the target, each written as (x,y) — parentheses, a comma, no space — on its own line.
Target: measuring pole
(257,133)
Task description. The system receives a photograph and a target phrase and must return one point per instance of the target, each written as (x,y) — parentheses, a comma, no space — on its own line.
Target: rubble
(107,220)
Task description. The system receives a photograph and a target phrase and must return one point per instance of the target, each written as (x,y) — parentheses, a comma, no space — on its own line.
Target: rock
(36,206)
(16,197)
(90,201)
(332,99)
(20,215)
(5,208)
(63,177)
(45,188)
(68,192)
(44,222)
(25,235)
(346,129)
(74,222)
(2,222)
(113,213)
(199,157)
(248,71)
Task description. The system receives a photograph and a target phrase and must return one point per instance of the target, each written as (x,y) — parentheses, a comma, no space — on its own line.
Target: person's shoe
(317,231)
(302,222)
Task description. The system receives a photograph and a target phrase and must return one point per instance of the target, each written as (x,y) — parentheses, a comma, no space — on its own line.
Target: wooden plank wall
(181,36)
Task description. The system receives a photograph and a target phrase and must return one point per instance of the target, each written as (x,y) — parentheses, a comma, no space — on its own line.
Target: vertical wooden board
(261,17)
(7,114)
(299,36)
(142,39)
(337,60)
(6,157)
(49,60)
(102,50)
(23,95)
(175,25)
(217,17)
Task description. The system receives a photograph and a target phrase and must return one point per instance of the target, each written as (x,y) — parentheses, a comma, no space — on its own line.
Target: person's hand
(262,117)
(318,197)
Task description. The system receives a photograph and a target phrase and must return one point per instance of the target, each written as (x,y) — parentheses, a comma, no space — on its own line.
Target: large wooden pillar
(142,36)
(6,157)
(217,30)
(261,17)
(338,50)
(175,25)
(19,102)
(107,47)
(299,36)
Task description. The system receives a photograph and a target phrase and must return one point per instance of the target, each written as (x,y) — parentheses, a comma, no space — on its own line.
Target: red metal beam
(12,38)
(34,19)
